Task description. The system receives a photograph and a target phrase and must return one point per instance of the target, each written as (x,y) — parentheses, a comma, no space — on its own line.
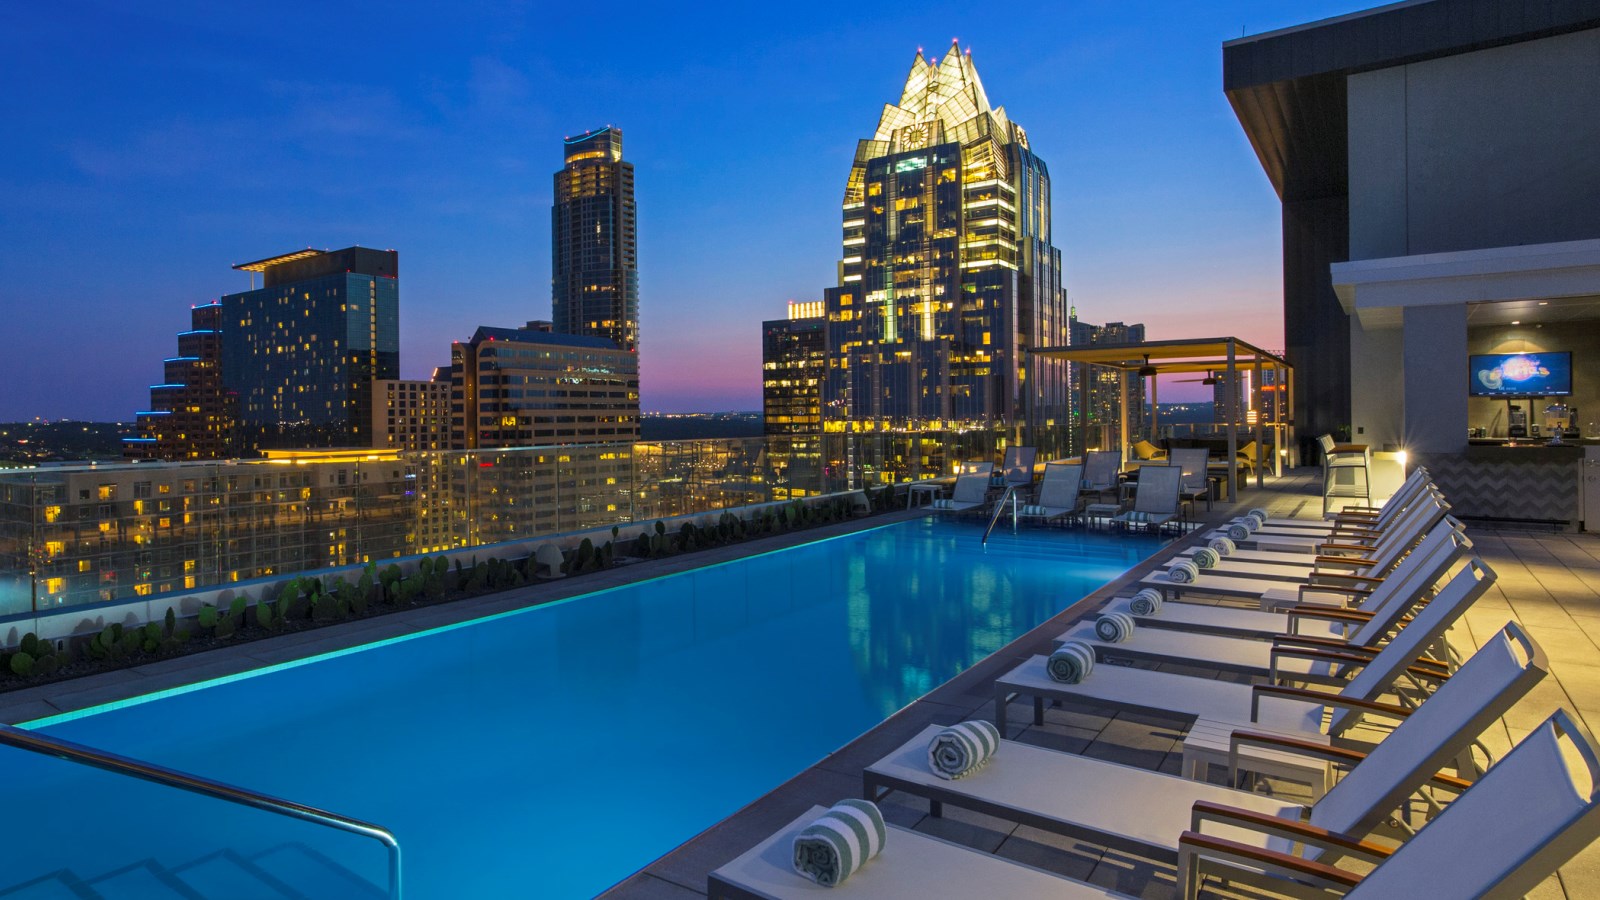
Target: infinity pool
(547,752)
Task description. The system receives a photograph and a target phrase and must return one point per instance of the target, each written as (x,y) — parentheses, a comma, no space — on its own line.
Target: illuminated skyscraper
(794,358)
(595,268)
(190,414)
(948,275)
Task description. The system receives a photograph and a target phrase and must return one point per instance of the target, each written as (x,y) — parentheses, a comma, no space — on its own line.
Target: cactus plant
(30,644)
(171,623)
(207,619)
(264,615)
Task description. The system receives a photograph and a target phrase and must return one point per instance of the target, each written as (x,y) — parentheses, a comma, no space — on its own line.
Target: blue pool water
(552,751)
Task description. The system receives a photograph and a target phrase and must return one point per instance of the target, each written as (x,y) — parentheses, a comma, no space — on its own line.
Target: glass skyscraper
(595,268)
(948,274)
(301,352)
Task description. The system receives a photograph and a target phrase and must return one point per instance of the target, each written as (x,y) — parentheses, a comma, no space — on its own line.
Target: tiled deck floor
(1548,582)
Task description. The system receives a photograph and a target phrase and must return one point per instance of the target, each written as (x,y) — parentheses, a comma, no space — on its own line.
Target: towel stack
(1071,663)
(962,749)
(1222,545)
(839,842)
(1146,603)
(1113,627)
(1183,572)
(1206,558)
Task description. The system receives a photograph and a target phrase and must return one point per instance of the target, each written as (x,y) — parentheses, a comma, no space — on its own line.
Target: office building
(301,351)
(595,266)
(794,361)
(1441,219)
(411,415)
(948,275)
(1097,390)
(191,414)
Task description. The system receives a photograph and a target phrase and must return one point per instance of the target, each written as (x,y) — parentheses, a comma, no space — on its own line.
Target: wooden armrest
(1208,811)
(1331,613)
(1333,589)
(1323,698)
(1353,548)
(1347,576)
(1192,843)
(1309,641)
(1349,448)
(1356,561)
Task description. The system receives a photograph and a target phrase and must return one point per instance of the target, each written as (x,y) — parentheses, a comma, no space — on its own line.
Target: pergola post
(1231,405)
(1122,407)
(1256,435)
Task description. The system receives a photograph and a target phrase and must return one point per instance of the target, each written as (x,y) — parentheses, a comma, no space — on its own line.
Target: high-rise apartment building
(191,415)
(411,415)
(1097,390)
(794,361)
(948,274)
(518,387)
(595,266)
(301,352)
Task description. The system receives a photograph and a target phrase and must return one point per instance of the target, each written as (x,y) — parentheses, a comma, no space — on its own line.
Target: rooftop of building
(536,336)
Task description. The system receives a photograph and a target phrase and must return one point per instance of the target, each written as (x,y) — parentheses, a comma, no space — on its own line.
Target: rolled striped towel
(1259,520)
(839,842)
(1071,663)
(1146,603)
(1113,627)
(1183,572)
(962,749)
(1206,558)
(1258,513)
(1033,509)
(1238,531)
(1222,545)
(942,503)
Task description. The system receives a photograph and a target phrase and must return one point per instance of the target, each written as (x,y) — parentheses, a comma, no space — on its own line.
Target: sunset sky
(149,147)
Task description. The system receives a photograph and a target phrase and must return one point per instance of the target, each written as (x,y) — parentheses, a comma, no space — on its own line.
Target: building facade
(794,361)
(191,414)
(1097,390)
(948,274)
(411,415)
(594,245)
(302,351)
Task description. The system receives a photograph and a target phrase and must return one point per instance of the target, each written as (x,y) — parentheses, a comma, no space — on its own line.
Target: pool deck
(1548,582)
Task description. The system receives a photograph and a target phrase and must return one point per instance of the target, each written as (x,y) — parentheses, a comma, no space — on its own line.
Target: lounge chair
(1059,496)
(912,865)
(1156,504)
(1145,812)
(1192,461)
(1416,486)
(1249,456)
(1016,470)
(1271,593)
(971,494)
(1144,451)
(1100,472)
(1530,814)
(1345,542)
(975,468)
(1276,707)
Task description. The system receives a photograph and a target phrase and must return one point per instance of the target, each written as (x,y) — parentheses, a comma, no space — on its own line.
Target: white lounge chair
(1156,504)
(1534,810)
(1276,707)
(1145,812)
(1059,496)
(971,494)
(1100,471)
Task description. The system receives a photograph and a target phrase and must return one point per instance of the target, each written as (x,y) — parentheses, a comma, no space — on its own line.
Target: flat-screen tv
(1520,374)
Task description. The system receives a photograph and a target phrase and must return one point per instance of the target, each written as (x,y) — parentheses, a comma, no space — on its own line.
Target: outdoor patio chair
(1192,461)
(1345,542)
(1282,708)
(1352,458)
(1526,817)
(1100,472)
(1411,490)
(1016,470)
(971,494)
(1145,812)
(1249,456)
(1156,504)
(975,468)
(1144,451)
(1059,496)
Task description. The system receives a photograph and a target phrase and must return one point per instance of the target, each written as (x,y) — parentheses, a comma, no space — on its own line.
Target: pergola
(1224,357)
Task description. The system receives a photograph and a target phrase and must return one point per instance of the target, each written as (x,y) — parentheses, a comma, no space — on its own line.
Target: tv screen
(1520,374)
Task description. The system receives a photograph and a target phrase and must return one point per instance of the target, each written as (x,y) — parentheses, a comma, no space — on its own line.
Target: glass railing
(73,535)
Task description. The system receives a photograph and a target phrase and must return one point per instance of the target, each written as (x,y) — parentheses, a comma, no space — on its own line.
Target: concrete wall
(1485,149)
(1377,367)
(1582,338)
(1435,393)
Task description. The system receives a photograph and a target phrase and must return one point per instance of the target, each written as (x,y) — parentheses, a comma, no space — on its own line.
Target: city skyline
(156,140)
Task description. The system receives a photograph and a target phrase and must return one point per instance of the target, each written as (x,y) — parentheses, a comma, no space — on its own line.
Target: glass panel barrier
(75,535)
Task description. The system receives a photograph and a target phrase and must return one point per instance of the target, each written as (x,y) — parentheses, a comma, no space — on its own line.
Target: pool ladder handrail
(22,739)
(999,509)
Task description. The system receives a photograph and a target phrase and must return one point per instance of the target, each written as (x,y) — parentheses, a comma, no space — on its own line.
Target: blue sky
(148,147)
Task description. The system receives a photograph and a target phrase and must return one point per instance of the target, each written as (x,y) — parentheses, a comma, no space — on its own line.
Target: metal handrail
(33,742)
(999,508)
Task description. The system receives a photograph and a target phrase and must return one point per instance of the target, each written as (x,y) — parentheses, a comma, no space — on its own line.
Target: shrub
(22,663)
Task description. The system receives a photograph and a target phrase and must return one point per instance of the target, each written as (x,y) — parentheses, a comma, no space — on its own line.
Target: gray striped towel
(1259,513)
(1146,603)
(1239,531)
(962,749)
(1259,520)
(1113,627)
(1222,545)
(1183,572)
(839,841)
(943,503)
(1206,558)
(1071,663)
